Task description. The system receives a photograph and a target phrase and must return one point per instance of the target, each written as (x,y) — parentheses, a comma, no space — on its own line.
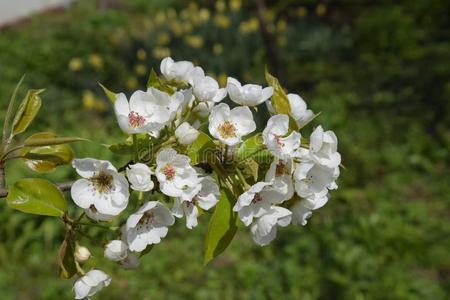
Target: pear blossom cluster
(169,185)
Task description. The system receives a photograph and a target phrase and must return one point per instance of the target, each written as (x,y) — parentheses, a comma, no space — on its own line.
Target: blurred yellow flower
(96,61)
(195,41)
(132,83)
(163,39)
(141,54)
(235,5)
(204,15)
(140,69)
(176,27)
(222,21)
(321,9)
(281,25)
(282,40)
(91,102)
(160,18)
(302,11)
(220,6)
(172,13)
(222,79)
(217,49)
(118,36)
(249,26)
(75,64)
(160,52)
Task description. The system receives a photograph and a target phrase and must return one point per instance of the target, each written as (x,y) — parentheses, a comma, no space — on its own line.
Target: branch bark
(64,187)
(2,175)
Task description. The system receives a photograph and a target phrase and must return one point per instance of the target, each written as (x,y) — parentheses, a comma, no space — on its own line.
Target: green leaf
(109,94)
(157,83)
(251,146)
(6,125)
(202,150)
(28,109)
(67,257)
(124,148)
(280,100)
(250,169)
(47,139)
(222,227)
(45,159)
(37,196)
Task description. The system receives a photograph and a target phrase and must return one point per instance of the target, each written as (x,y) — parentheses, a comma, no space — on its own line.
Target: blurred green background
(379,71)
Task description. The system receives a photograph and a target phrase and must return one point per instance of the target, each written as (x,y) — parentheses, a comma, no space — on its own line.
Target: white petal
(83,193)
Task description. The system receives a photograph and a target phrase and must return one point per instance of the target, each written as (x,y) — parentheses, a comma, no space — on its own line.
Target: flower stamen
(103,182)
(169,172)
(227,130)
(135,119)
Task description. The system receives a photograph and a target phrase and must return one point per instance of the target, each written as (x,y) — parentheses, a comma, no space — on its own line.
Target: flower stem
(136,149)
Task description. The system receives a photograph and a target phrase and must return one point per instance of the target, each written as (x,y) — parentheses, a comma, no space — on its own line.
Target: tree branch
(2,175)
(64,186)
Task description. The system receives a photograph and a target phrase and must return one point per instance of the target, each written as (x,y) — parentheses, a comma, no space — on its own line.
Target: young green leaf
(280,100)
(47,139)
(251,146)
(222,227)
(67,257)
(45,159)
(109,94)
(7,127)
(37,196)
(156,82)
(202,150)
(27,111)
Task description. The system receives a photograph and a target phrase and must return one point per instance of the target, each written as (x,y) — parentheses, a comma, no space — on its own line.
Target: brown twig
(2,175)
(64,186)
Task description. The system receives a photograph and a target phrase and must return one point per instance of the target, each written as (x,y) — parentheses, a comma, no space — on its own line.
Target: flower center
(169,171)
(135,119)
(256,198)
(102,182)
(280,169)
(278,140)
(147,218)
(227,130)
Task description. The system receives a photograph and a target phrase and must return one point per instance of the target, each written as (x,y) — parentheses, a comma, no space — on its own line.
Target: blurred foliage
(378,70)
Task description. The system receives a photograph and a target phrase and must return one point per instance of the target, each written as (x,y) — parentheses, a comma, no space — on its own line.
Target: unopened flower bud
(82,254)
(116,250)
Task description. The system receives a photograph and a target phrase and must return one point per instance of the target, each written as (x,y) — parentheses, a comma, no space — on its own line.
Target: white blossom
(280,173)
(206,88)
(264,230)
(313,181)
(93,214)
(177,178)
(229,126)
(249,94)
(257,201)
(277,140)
(148,225)
(299,111)
(186,134)
(116,250)
(178,71)
(139,175)
(101,186)
(207,197)
(323,148)
(90,284)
